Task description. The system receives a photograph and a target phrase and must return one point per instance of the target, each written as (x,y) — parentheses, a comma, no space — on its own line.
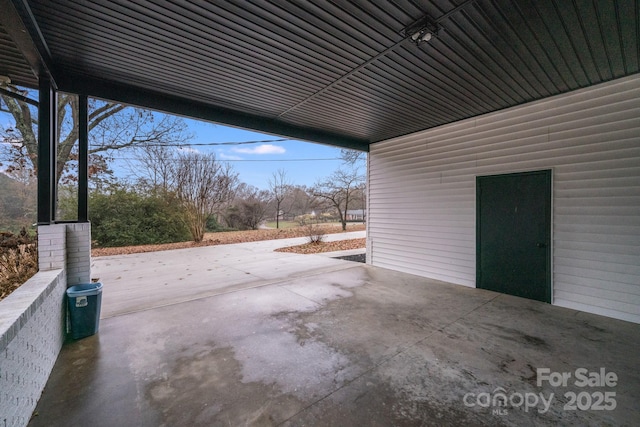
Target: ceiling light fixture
(421,31)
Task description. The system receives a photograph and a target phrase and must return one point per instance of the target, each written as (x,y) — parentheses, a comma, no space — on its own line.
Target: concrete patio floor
(239,335)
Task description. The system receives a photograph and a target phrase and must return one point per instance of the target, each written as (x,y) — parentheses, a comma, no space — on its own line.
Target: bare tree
(279,184)
(155,167)
(249,208)
(112,127)
(204,186)
(302,200)
(339,189)
(352,157)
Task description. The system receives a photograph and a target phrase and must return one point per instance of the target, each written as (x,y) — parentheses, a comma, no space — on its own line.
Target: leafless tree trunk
(339,188)
(279,184)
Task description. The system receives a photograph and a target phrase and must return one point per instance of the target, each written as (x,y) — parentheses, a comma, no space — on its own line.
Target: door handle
(541,245)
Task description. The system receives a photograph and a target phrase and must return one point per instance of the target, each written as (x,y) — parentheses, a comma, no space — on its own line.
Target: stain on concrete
(535,341)
(213,376)
(419,410)
(377,395)
(261,371)
(593,328)
(517,336)
(360,346)
(519,368)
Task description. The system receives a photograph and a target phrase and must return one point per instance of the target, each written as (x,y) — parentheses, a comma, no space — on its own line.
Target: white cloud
(261,149)
(224,156)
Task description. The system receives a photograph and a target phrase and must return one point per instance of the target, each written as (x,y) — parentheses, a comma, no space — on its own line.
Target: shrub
(124,217)
(213,226)
(315,233)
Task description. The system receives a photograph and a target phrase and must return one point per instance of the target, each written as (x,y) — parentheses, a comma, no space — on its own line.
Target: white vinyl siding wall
(422,196)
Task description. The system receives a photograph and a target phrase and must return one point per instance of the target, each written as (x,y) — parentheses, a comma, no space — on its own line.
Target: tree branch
(103,113)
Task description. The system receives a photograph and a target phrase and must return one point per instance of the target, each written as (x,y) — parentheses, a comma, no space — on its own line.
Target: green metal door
(514,234)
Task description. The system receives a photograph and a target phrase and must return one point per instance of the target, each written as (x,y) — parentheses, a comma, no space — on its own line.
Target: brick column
(52,247)
(78,253)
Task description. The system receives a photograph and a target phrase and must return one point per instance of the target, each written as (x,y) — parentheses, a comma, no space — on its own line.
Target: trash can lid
(85,289)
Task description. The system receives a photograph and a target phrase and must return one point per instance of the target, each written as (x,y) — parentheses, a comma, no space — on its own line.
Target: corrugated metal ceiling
(339,68)
(13,62)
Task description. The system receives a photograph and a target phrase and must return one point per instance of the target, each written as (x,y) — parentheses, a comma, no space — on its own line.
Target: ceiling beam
(19,22)
(19,97)
(127,94)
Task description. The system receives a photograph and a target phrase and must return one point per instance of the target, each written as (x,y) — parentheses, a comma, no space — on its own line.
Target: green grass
(283,224)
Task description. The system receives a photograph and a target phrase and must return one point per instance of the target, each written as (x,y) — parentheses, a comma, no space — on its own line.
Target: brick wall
(32,331)
(33,319)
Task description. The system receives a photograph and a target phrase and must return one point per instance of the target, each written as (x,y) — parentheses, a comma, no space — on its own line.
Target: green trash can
(84,309)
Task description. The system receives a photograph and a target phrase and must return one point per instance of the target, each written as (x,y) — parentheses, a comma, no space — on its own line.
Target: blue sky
(305,163)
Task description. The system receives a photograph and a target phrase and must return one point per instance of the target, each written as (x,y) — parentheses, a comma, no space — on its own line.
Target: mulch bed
(314,248)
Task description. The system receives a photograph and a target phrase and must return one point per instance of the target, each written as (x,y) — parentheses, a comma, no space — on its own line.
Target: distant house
(356,214)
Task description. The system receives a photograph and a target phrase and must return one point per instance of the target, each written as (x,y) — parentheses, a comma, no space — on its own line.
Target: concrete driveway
(240,335)
(147,280)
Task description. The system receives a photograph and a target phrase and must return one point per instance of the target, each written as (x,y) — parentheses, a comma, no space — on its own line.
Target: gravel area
(355,258)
